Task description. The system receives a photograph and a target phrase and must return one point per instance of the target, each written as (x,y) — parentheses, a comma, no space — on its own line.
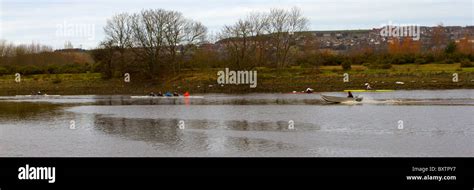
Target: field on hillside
(326,78)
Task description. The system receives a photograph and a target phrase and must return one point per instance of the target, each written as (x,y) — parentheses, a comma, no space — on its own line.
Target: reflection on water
(166,134)
(240,125)
(26,111)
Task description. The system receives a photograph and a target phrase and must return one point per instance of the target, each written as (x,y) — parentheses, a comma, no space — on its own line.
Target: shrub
(430,58)
(379,64)
(466,63)
(52,69)
(420,61)
(450,48)
(30,70)
(56,80)
(72,68)
(3,71)
(306,65)
(346,65)
(448,61)
(385,66)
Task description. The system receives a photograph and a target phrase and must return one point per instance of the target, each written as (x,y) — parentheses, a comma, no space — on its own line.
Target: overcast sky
(53,22)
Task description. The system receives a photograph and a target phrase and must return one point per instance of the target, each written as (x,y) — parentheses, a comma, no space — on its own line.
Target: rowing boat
(337,99)
(361,90)
(37,96)
(166,97)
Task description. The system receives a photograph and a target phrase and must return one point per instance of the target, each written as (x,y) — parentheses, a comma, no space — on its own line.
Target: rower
(152,94)
(39,93)
(350,94)
(159,93)
(309,90)
(175,94)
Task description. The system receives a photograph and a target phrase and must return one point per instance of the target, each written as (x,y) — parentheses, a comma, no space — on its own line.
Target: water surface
(401,123)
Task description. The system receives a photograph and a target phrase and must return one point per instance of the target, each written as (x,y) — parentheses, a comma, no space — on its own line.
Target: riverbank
(326,78)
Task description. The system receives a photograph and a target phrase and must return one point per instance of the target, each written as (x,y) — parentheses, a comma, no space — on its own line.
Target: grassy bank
(326,78)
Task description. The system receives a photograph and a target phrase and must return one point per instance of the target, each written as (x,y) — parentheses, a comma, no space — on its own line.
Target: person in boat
(168,94)
(175,94)
(159,94)
(152,94)
(39,93)
(309,90)
(349,94)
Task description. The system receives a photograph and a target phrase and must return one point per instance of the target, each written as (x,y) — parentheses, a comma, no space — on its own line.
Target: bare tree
(119,30)
(259,22)
(237,40)
(439,38)
(155,36)
(3,48)
(105,55)
(119,35)
(195,33)
(7,49)
(148,33)
(264,36)
(174,35)
(181,34)
(296,23)
(283,28)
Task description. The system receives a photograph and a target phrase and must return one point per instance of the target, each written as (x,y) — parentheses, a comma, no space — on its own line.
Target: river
(420,123)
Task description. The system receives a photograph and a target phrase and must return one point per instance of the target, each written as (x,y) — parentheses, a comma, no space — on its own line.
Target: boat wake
(420,102)
(352,103)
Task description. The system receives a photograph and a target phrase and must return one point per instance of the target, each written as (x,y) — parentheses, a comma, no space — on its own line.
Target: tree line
(36,58)
(150,42)
(158,42)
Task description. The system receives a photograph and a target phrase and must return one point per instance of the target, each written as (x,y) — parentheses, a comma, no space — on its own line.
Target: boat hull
(37,96)
(166,97)
(361,90)
(336,99)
